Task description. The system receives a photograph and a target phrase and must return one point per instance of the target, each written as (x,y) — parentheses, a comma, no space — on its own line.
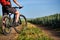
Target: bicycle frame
(10,16)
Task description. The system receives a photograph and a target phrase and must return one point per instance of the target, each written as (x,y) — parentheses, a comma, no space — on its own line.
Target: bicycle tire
(7,25)
(20,21)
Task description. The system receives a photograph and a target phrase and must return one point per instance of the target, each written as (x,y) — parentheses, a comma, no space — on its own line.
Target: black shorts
(7,9)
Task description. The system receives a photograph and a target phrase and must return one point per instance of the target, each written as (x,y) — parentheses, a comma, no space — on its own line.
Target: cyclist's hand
(20,7)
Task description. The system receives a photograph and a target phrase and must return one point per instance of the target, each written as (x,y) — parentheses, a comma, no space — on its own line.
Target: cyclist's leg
(17,16)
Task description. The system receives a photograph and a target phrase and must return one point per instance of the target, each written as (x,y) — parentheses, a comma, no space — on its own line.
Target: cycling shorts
(8,9)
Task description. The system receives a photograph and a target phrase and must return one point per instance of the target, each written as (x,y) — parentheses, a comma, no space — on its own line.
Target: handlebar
(17,7)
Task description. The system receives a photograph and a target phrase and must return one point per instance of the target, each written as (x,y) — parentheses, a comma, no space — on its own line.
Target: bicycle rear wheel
(7,28)
(22,22)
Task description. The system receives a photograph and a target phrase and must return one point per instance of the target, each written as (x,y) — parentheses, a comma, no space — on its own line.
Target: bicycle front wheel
(7,23)
(22,22)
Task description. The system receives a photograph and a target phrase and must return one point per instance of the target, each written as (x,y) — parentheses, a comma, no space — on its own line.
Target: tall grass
(52,21)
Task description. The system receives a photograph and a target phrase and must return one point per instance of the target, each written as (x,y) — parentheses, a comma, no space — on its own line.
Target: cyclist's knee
(17,12)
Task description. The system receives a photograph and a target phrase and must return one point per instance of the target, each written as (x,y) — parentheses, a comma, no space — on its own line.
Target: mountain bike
(9,22)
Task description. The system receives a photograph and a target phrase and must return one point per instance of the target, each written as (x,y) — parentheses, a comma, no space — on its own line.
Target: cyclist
(6,8)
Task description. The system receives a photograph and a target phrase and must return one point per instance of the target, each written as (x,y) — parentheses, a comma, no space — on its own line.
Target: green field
(52,21)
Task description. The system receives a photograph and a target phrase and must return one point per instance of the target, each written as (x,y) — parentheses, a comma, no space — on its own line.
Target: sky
(38,8)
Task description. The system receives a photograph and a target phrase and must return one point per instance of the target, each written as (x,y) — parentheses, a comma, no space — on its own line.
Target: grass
(0,24)
(31,32)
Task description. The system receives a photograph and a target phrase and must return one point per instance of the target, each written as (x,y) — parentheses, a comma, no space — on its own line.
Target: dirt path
(12,36)
(50,33)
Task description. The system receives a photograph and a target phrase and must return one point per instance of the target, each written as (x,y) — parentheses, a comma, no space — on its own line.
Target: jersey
(5,2)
